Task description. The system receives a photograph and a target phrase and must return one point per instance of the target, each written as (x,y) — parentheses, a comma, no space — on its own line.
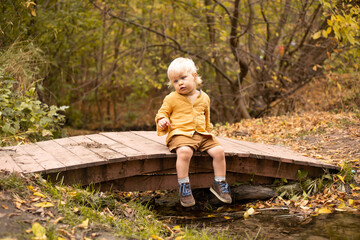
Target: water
(267,224)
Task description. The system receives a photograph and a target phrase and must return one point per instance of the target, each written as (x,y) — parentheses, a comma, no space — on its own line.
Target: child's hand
(163,123)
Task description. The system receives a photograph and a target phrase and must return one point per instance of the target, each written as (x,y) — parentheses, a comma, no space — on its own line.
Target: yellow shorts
(198,142)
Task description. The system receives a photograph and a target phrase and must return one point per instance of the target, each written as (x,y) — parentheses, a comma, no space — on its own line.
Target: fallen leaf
(341,205)
(176,228)
(4,207)
(39,194)
(324,211)
(249,212)
(18,205)
(39,231)
(341,178)
(179,237)
(154,237)
(44,204)
(84,224)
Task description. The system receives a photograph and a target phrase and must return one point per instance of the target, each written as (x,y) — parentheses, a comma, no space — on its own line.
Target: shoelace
(224,187)
(185,189)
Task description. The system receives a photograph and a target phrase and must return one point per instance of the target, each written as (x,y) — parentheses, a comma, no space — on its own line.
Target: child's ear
(195,75)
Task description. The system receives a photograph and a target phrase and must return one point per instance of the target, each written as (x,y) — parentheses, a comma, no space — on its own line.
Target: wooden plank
(45,159)
(63,155)
(285,155)
(7,163)
(24,160)
(270,168)
(256,153)
(145,146)
(116,146)
(116,170)
(152,135)
(98,148)
(169,182)
(89,158)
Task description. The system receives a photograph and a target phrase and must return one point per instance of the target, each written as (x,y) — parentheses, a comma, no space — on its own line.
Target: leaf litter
(328,137)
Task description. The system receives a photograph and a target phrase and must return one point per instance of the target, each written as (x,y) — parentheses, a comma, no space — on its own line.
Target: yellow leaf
(72,194)
(39,194)
(339,176)
(328,30)
(4,207)
(18,205)
(329,22)
(324,211)
(44,204)
(249,212)
(341,205)
(324,33)
(339,86)
(211,216)
(30,188)
(39,231)
(226,217)
(317,35)
(76,209)
(33,12)
(351,202)
(176,228)
(179,237)
(84,224)
(156,237)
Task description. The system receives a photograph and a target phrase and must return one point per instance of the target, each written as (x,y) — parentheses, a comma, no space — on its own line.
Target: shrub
(23,118)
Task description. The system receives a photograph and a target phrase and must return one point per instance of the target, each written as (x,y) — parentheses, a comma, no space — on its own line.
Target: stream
(277,223)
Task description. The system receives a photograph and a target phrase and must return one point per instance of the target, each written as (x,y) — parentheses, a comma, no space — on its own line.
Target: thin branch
(178,45)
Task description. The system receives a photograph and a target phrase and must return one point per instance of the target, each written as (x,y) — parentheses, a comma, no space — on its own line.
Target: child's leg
(219,163)
(184,155)
(220,188)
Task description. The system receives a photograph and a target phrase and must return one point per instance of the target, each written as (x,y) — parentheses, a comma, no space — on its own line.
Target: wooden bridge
(139,160)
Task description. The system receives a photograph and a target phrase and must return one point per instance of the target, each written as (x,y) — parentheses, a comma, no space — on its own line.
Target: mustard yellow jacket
(185,117)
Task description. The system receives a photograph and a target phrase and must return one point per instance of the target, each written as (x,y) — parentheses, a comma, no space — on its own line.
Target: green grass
(101,213)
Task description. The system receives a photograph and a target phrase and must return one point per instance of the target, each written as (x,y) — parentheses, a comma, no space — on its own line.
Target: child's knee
(184,151)
(217,151)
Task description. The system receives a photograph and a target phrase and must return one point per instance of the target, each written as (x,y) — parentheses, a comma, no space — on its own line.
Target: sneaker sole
(187,205)
(218,196)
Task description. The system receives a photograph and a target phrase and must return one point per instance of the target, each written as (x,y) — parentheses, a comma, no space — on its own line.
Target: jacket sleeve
(164,112)
(208,124)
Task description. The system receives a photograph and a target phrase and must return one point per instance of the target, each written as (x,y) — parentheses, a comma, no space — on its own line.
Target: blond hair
(180,66)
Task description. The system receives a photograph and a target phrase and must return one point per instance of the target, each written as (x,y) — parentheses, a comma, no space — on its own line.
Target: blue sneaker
(222,191)
(186,197)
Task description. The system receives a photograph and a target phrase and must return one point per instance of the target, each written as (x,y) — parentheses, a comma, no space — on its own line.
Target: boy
(185,117)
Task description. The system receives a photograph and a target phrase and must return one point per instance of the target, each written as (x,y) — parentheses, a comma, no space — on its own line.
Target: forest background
(103,63)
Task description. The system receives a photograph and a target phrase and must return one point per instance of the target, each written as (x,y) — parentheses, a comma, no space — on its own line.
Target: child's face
(185,83)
